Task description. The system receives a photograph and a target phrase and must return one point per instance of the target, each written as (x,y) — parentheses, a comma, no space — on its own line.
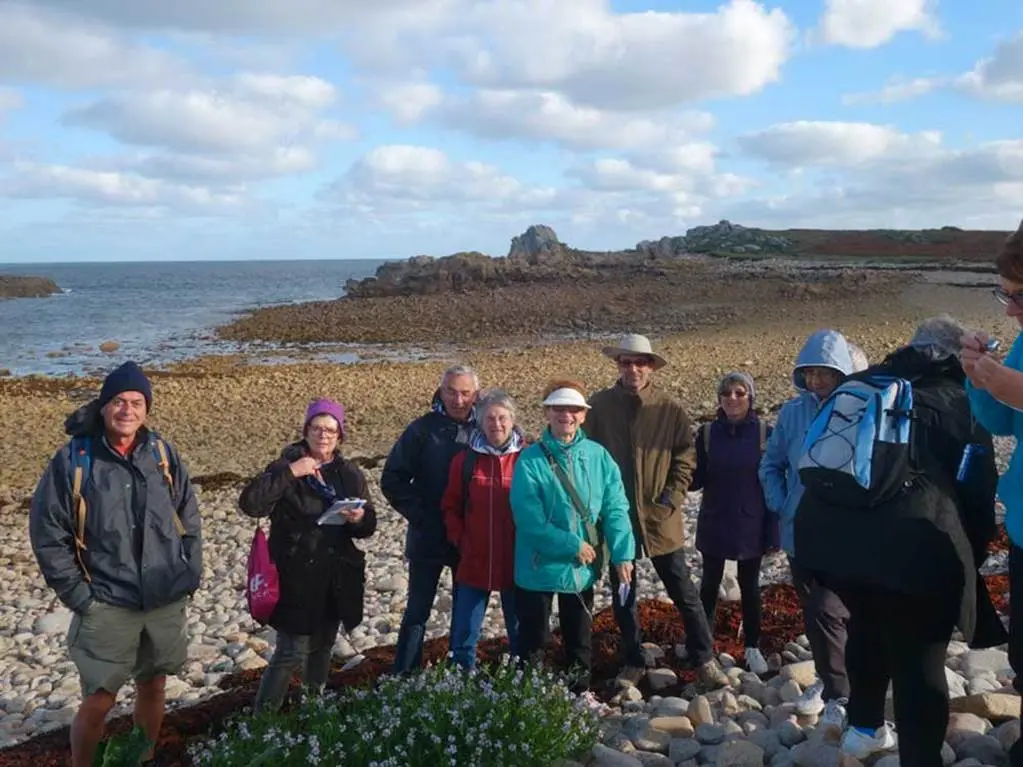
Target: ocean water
(158,312)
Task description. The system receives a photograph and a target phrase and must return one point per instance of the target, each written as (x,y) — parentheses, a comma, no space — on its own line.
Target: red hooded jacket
(483,532)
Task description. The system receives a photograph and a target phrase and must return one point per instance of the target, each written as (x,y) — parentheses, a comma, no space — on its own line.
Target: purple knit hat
(325,407)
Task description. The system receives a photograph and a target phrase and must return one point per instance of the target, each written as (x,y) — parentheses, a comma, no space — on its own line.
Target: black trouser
(826,619)
(423,578)
(674,574)
(1016,634)
(903,639)
(749,589)
(575,614)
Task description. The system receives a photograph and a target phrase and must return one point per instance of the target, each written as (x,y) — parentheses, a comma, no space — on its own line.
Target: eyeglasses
(1005,298)
(733,394)
(330,431)
(634,362)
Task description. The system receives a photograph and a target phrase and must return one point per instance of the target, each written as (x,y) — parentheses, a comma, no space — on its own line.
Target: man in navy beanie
(115,528)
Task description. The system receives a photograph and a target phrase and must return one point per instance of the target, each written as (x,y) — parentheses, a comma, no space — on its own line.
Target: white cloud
(586,52)
(92,187)
(253,113)
(214,170)
(404,178)
(237,16)
(549,116)
(808,143)
(866,175)
(1000,77)
(10,99)
(895,91)
(39,46)
(870,23)
(408,101)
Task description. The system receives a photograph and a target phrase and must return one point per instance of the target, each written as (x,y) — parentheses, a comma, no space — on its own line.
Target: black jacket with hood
(322,572)
(931,539)
(135,555)
(415,475)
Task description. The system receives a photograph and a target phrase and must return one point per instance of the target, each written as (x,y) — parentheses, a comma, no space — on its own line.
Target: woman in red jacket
(477,515)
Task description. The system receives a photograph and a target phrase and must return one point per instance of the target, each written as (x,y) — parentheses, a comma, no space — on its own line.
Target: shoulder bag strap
(566,482)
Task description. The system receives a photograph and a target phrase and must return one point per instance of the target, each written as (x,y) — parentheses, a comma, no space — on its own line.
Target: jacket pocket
(659,512)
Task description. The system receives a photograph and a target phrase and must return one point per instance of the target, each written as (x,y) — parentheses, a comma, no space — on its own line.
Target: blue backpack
(81,468)
(858,449)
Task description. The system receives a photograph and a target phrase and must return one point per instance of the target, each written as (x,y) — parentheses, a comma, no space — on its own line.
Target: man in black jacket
(115,528)
(413,482)
(907,568)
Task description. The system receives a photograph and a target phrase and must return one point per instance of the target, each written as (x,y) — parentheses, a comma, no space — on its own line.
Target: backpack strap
(81,465)
(706,438)
(468,464)
(763,435)
(163,460)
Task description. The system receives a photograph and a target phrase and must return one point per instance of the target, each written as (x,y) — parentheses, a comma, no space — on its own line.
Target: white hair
(461,370)
(497,398)
(941,337)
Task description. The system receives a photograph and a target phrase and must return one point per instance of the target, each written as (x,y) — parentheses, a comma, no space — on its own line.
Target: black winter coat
(931,539)
(415,476)
(322,572)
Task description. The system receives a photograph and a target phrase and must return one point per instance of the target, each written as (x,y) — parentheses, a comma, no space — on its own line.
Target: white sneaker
(811,702)
(756,662)
(832,721)
(861,746)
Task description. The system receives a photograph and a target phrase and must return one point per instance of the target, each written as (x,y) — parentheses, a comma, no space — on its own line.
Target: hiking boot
(631,675)
(711,676)
(756,662)
(811,702)
(832,721)
(861,745)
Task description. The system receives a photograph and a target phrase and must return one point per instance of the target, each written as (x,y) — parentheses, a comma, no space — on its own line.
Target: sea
(159,313)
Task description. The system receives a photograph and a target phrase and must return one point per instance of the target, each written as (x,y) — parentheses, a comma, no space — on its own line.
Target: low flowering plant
(499,717)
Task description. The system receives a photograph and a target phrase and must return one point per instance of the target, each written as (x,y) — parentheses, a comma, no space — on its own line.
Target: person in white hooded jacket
(822,364)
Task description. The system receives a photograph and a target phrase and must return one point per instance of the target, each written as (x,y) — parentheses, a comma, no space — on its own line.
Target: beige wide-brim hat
(635,344)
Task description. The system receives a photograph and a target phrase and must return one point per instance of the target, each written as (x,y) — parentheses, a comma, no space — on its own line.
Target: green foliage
(124,750)
(503,717)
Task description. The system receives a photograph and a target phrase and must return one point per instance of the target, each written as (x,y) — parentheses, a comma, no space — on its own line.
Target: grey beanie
(737,378)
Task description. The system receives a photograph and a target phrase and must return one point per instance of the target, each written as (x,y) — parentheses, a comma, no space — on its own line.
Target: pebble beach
(229,417)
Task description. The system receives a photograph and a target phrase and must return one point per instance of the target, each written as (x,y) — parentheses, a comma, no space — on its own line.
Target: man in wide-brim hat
(649,434)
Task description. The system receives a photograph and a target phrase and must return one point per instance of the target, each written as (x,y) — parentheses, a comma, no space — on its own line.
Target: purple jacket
(734,521)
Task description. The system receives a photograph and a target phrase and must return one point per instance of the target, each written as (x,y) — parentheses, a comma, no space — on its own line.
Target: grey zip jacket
(136,555)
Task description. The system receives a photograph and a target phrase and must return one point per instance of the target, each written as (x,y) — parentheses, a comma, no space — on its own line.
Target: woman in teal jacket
(568,502)
(995,389)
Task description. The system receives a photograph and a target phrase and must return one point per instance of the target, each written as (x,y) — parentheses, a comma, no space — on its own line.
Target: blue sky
(385,129)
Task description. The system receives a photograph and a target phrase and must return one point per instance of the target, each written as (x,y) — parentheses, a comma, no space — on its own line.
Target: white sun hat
(636,345)
(565,397)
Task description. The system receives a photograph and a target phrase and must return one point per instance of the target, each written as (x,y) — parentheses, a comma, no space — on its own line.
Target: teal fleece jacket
(549,531)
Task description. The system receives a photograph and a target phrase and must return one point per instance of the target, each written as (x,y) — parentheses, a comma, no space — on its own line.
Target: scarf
(326,492)
(478,442)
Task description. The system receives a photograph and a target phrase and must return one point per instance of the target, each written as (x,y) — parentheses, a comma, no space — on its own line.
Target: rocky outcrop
(727,237)
(538,244)
(17,286)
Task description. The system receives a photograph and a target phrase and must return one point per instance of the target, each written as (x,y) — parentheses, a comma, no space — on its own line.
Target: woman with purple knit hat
(734,522)
(312,532)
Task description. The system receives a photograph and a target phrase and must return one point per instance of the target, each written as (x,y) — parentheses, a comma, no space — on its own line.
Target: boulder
(997,707)
(24,286)
(537,244)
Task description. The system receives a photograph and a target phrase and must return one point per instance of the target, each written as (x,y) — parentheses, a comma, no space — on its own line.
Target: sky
(252,129)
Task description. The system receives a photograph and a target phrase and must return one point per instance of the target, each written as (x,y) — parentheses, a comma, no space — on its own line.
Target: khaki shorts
(110,645)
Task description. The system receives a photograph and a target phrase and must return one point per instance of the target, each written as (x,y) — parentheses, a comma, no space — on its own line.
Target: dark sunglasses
(1005,298)
(733,394)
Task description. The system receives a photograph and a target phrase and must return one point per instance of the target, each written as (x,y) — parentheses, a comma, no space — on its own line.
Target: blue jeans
(470,606)
(423,578)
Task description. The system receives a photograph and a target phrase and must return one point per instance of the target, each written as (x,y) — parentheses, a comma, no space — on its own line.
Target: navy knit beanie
(128,377)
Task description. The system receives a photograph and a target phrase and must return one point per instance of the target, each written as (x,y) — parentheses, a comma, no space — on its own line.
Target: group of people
(116,529)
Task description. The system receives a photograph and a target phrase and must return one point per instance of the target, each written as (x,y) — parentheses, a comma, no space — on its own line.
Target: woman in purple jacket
(734,522)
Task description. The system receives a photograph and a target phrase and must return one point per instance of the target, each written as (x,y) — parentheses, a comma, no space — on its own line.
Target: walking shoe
(756,662)
(711,676)
(832,721)
(811,702)
(860,745)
